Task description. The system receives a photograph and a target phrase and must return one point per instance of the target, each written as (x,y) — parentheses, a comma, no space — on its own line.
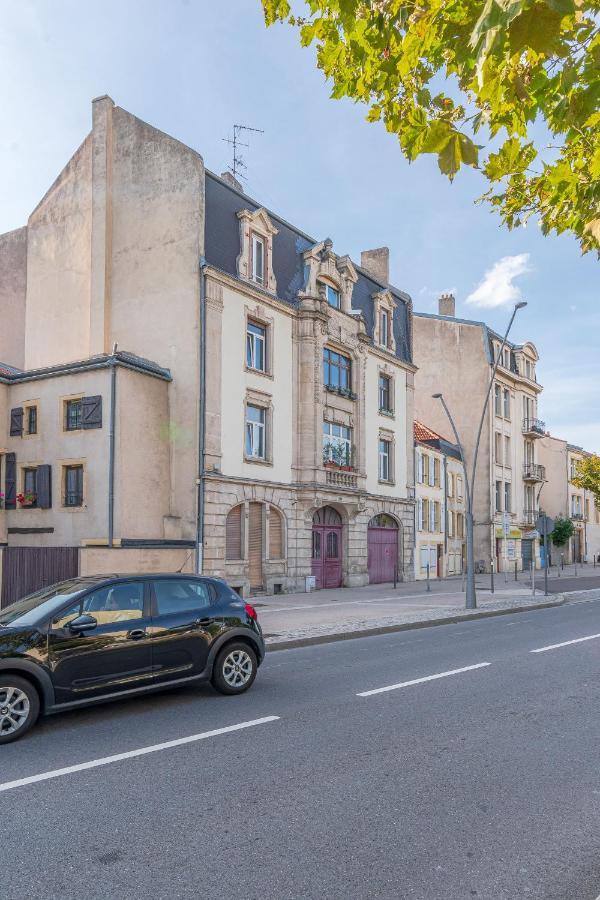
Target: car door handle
(136,635)
(202,622)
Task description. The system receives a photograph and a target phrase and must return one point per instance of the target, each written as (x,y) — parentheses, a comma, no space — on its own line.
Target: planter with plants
(26,500)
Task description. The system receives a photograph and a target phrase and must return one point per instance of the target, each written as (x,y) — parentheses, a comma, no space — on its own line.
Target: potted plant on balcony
(26,499)
(1,500)
(336,456)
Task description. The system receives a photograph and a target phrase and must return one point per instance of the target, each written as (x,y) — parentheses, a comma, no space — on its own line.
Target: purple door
(382,543)
(327,548)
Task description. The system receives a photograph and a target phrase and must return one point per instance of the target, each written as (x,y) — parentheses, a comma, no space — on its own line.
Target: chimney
(232,181)
(377,263)
(447,305)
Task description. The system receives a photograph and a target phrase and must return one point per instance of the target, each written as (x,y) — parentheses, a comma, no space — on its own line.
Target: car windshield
(32,608)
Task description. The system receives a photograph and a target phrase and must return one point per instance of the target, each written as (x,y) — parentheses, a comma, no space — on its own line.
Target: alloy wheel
(237,668)
(14,709)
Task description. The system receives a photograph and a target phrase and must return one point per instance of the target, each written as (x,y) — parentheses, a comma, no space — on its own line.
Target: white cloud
(497,288)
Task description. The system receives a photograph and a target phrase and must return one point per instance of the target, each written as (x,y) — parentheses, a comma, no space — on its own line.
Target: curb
(309,641)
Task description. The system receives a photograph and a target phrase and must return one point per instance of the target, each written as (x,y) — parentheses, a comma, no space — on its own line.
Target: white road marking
(130,754)
(590,637)
(402,684)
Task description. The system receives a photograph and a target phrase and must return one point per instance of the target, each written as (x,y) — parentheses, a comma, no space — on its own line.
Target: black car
(104,637)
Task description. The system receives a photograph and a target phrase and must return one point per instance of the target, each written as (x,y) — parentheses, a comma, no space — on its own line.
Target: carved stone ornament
(324,267)
(258,223)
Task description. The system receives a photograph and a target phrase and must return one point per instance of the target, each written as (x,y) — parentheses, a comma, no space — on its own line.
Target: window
(385,394)
(73,417)
(460,525)
(507,461)
(73,486)
(31,419)
(459,487)
(175,595)
(255,431)
(573,469)
(498,496)
(336,370)
(497,400)
(506,355)
(384,460)
(337,444)
(29,497)
(507,496)
(420,467)
(433,515)
(451,515)
(384,334)
(506,403)
(233,533)
(425,504)
(450,484)
(436,472)
(109,605)
(333,296)
(498,448)
(431,471)
(258,259)
(420,515)
(256,344)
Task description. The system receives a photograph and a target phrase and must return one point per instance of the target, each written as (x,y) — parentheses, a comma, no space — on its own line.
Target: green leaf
(512,158)
(537,28)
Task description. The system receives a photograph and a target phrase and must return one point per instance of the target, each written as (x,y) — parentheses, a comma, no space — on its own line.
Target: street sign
(506,525)
(546,527)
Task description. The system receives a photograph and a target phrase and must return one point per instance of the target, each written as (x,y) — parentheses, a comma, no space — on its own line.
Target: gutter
(200,481)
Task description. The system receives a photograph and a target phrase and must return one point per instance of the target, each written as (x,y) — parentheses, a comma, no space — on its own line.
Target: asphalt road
(484,783)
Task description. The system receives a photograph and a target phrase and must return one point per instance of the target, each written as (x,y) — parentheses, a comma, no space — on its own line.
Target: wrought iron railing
(533,426)
(534,472)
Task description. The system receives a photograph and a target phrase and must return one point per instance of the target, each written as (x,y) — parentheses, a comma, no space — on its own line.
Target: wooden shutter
(16,421)
(233,533)
(10,481)
(91,412)
(275,534)
(255,544)
(44,487)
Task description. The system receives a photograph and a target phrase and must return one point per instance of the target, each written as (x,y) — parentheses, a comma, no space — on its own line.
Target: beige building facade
(440,546)
(456,357)
(187,378)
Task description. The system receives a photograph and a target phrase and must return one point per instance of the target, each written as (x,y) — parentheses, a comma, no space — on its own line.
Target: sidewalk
(297,619)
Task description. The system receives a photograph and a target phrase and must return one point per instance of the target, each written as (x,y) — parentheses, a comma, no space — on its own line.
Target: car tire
(19,707)
(235,668)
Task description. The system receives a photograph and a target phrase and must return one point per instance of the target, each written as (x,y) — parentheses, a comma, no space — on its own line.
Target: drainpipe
(201,423)
(111,447)
(445,504)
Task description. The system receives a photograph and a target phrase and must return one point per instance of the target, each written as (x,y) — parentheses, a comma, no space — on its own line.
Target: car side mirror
(83,623)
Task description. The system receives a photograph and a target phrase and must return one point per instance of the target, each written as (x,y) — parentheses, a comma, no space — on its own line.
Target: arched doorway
(327,548)
(382,542)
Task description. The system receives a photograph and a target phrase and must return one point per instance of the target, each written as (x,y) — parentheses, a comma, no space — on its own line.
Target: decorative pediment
(256,225)
(384,304)
(323,267)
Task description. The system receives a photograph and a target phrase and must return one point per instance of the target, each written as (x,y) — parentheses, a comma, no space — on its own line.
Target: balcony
(534,472)
(340,478)
(341,391)
(530,516)
(577,516)
(534,428)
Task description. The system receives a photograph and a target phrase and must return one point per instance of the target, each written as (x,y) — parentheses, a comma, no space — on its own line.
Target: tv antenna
(236,143)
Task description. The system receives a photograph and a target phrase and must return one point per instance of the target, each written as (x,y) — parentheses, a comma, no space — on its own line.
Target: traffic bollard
(428,584)
(532,578)
(492,576)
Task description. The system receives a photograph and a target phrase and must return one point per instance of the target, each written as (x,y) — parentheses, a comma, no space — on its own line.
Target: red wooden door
(382,553)
(327,548)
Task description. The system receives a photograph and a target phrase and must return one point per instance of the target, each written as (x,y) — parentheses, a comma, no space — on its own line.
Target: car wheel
(19,707)
(234,669)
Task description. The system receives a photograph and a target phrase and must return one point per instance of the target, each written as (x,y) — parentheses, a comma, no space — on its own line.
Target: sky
(194,67)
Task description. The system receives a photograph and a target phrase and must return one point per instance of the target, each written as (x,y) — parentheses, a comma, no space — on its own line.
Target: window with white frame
(385,394)
(337,444)
(385,447)
(384,329)
(459,487)
(507,496)
(498,496)
(506,403)
(450,484)
(256,346)
(507,461)
(420,520)
(256,432)
(258,259)
(498,448)
(431,471)
(497,400)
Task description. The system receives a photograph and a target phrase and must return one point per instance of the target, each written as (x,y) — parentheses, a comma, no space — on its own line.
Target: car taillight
(251,611)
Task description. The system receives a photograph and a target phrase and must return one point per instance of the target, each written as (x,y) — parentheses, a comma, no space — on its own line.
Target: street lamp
(471,596)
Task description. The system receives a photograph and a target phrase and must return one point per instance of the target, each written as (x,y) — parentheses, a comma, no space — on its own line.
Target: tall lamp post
(471,595)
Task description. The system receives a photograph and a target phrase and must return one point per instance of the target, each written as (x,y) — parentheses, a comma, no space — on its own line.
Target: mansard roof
(222,247)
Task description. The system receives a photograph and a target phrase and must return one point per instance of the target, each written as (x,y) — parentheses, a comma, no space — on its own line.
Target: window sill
(388,413)
(258,461)
(341,392)
(74,509)
(253,371)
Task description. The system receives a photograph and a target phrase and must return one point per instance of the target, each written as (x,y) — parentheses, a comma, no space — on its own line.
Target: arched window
(233,533)
(327,515)
(383,521)
(275,534)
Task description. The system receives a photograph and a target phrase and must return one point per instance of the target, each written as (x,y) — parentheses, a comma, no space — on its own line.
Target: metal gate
(27,569)
(527,553)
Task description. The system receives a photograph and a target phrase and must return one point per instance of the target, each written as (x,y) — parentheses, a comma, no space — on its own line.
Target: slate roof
(101,361)
(222,247)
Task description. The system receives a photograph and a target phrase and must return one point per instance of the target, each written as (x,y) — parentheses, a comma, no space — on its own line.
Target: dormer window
(255,261)
(384,305)
(258,259)
(384,335)
(333,296)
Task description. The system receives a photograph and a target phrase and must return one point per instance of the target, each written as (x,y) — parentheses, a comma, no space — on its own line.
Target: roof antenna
(238,160)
